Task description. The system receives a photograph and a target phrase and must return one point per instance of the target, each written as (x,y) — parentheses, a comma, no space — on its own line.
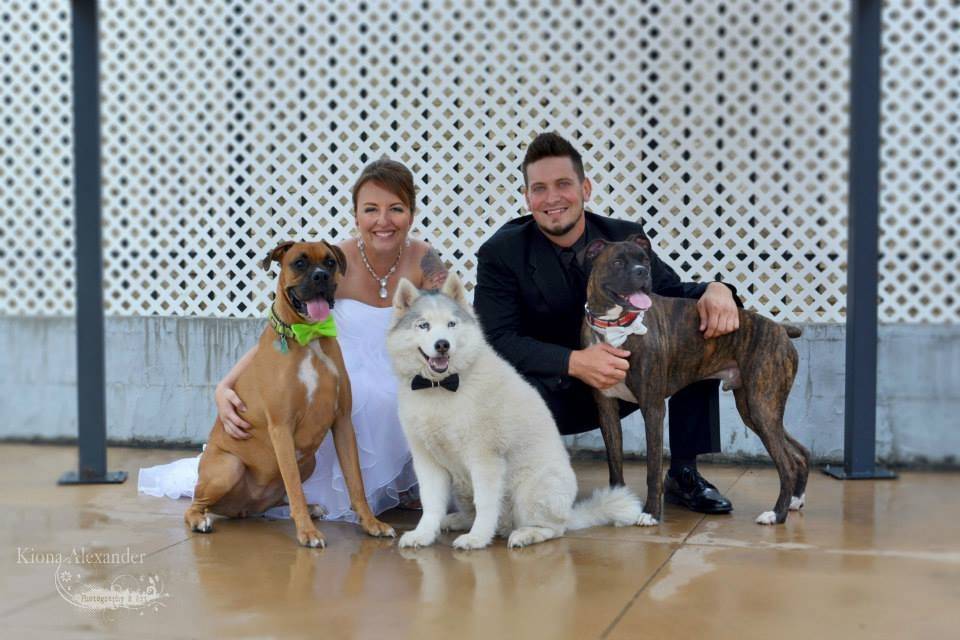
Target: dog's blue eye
(300,263)
(330,262)
(452,324)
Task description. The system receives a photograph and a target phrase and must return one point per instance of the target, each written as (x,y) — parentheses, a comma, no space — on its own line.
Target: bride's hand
(229,407)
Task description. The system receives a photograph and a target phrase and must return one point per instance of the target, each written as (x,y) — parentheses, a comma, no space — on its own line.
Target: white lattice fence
(36,167)
(920,174)
(228,126)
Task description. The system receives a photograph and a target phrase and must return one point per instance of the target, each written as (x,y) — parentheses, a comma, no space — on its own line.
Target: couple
(529,298)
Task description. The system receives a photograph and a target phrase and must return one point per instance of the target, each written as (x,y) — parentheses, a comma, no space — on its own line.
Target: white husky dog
(476,426)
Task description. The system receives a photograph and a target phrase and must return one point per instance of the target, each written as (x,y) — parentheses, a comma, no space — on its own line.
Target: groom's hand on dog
(718,311)
(601,366)
(229,407)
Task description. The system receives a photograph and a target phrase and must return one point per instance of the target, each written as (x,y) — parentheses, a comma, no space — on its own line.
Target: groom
(530,298)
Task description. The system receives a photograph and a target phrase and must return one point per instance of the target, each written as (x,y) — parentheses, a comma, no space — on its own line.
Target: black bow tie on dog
(450,383)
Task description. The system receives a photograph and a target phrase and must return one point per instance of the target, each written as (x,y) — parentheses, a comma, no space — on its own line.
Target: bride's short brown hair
(393,176)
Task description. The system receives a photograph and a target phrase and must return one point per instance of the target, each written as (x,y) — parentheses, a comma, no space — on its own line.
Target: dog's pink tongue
(640,301)
(318,310)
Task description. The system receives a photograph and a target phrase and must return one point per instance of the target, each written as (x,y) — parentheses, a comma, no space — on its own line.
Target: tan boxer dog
(296,389)
(668,352)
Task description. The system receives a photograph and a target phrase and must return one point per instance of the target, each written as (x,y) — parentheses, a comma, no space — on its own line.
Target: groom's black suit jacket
(532,318)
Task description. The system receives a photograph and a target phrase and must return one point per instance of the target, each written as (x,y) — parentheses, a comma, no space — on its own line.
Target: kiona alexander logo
(124,591)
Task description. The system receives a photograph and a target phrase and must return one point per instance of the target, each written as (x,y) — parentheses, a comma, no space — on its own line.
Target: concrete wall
(161,373)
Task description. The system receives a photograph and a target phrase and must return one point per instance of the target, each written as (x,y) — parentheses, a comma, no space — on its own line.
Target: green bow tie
(303,333)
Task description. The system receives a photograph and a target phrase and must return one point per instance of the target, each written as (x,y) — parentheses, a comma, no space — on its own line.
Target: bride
(384,203)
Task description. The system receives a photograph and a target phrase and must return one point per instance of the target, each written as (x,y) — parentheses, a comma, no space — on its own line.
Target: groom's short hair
(552,145)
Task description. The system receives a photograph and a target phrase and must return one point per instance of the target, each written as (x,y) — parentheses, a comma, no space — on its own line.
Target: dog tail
(793,331)
(617,506)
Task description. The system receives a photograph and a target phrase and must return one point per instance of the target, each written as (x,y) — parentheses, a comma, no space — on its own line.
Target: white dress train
(385,461)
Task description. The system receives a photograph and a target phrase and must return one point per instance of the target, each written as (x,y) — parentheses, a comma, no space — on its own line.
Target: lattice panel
(746,152)
(920,175)
(36,169)
(229,126)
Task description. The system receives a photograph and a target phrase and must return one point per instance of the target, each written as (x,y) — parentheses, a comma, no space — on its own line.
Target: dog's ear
(591,251)
(276,255)
(339,255)
(641,240)
(453,288)
(405,296)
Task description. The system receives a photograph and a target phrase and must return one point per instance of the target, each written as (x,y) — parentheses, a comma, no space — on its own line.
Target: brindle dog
(668,352)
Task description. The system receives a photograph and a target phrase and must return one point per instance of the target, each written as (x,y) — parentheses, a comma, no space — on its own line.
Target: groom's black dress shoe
(689,489)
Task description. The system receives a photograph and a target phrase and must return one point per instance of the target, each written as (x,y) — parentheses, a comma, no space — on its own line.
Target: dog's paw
(203,524)
(470,541)
(316,511)
(767,517)
(416,539)
(311,538)
(646,520)
(525,537)
(379,529)
(797,503)
(456,521)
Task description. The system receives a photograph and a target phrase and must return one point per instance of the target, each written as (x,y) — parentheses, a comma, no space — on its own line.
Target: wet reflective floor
(864,559)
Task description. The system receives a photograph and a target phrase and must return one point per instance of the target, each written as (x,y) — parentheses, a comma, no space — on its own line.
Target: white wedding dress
(385,461)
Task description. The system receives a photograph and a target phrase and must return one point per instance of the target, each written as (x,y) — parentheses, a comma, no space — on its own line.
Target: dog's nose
(442,346)
(320,275)
(640,270)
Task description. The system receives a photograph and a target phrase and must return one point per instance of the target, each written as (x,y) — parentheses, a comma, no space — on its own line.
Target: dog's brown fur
(757,361)
(242,477)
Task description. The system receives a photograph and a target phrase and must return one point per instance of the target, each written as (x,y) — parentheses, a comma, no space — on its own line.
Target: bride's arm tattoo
(434,271)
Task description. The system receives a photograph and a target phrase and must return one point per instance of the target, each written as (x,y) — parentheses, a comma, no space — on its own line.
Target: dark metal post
(860,414)
(91,394)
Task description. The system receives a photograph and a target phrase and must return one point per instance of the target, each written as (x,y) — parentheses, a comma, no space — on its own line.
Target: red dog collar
(624,320)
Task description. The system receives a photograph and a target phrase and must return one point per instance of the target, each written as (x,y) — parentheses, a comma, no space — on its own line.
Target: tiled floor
(863,560)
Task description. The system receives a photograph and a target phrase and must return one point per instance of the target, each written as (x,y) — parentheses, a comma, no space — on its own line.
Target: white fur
(308,376)
(767,517)
(596,509)
(307,371)
(647,520)
(492,443)
(797,503)
(612,313)
(324,358)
